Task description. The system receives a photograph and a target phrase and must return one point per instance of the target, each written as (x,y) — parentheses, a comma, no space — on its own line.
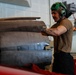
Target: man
(62,33)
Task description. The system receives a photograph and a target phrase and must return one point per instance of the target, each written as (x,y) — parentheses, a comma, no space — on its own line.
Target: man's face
(55,15)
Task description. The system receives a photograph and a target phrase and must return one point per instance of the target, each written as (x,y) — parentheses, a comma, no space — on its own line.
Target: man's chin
(55,20)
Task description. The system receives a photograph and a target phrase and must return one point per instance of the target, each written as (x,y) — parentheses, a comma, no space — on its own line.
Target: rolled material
(22,25)
(13,39)
(31,46)
(21,42)
(20,58)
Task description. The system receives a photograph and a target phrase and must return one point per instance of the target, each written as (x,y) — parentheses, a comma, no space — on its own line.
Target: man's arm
(56,31)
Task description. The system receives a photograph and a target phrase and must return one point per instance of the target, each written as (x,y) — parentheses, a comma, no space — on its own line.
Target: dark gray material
(70,9)
(20,58)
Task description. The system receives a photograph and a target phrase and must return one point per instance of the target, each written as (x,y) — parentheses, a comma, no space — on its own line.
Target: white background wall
(38,8)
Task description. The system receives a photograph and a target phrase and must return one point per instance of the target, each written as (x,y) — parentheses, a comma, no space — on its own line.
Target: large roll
(22,25)
(21,58)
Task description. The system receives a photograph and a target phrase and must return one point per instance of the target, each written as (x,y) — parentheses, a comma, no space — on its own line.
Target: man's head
(58,11)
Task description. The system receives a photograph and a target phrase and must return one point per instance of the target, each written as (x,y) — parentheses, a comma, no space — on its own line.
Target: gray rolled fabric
(21,58)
